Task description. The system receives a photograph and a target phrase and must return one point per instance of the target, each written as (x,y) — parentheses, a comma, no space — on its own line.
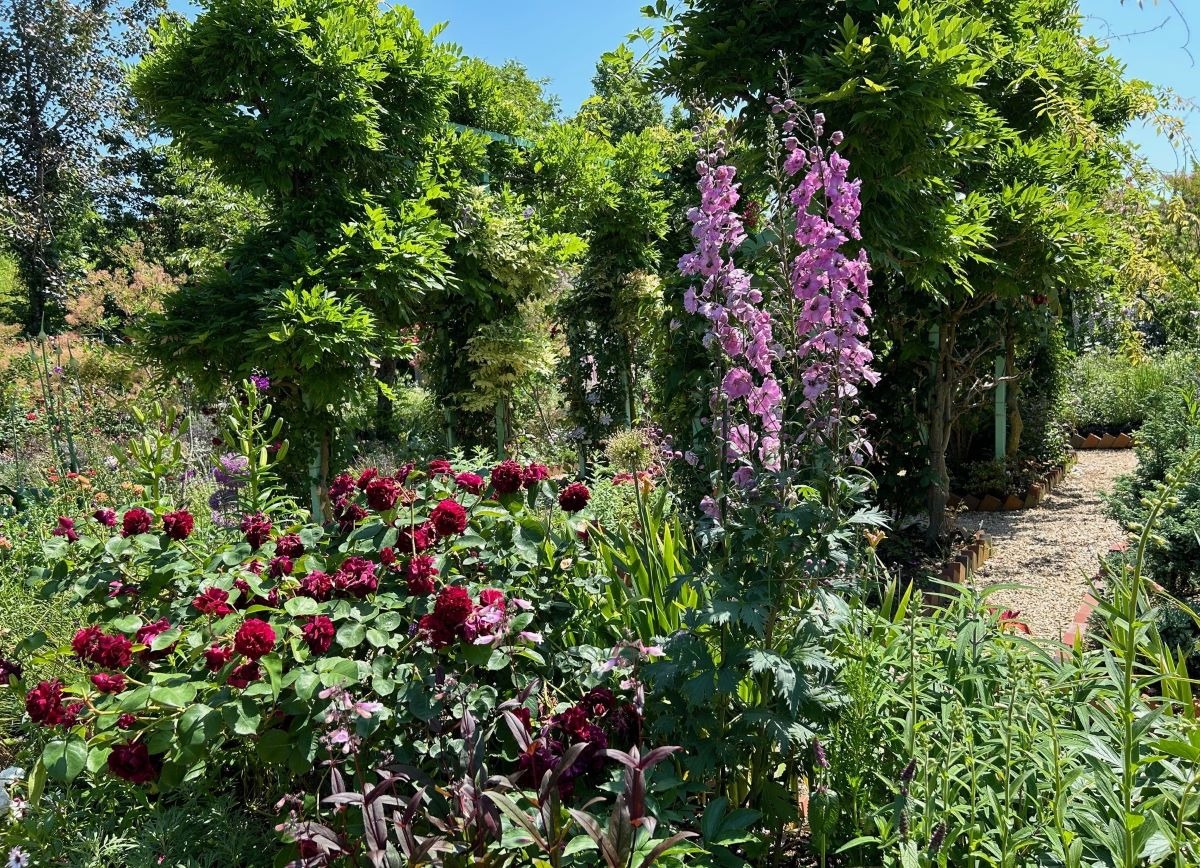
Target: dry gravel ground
(1053,550)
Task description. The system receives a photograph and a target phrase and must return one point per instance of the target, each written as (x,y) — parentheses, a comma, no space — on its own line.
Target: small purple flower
(261,382)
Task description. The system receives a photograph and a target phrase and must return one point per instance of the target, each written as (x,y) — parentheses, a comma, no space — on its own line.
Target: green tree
(62,112)
(623,100)
(327,112)
(986,135)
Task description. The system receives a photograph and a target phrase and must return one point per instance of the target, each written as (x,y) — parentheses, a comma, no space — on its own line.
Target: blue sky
(562,39)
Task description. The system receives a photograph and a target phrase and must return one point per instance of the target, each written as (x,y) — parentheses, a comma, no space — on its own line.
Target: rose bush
(425,600)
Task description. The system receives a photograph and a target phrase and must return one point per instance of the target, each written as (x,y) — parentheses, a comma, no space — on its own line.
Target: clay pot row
(1106,441)
(957,569)
(1034,495)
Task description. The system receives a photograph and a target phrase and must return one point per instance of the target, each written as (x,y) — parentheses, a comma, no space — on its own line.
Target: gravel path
(1052,551)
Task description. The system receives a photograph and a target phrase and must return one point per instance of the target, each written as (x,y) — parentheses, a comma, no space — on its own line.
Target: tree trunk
(1015,423)
(937,494)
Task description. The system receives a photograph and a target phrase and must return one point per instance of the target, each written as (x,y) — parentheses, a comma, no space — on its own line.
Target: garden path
(1053,550)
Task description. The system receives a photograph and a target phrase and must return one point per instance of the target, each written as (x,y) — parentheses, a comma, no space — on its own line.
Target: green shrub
(1111,391)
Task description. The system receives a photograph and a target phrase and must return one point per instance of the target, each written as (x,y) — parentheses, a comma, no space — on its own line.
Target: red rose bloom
(146,633)
(574,497)
(178,525)
(415,539)
(316,585)
(241,676)
(84,642)
(493,597)
(106,683)
(382,493)
(217,656)
(349,514)
(66,528)
(365,478)
(136,521)
(419,575)
(281,565)
(255,638)
(113,652)
(341,487)
(257,528)
(318,634)
(533,474)
(356,577)
(402,473)
(440,467)
(106,516)
(289,546)
(132,762)
(470,482)
(453,606)
(213,601)
(387,556)
(448,518)
(506,477)
(44,703)
(126,721)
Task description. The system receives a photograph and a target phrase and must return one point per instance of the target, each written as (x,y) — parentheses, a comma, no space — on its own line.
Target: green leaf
(65,758)
(177,696)
(299,607)
(275,746)
(197,725)
(350,634)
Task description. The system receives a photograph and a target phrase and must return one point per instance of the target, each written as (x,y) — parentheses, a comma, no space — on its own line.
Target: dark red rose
(493,597)
(146,633)
(257,528)
(522,714)
(178,525)
(126,721)
(506,477)
(419,573)
(84,642)
(106,516)
(132,762)
(402,473)
(217,656)
(65,528)
(136,521)
(574,497)
(365,478)
(356,577)
(382,493)
(241,676)
(107,683)
(213,601)
(44,703)
(437,633)
(470,482)
(281,565)
(453,605)
(348,515)
(533,474)
(255,638)
(448,518)
(317,585)
(10,669)
(387,556)
(318,634)
(341,487)
(440,467)
(573,721)
(113,652)
(415,539)
(289,546)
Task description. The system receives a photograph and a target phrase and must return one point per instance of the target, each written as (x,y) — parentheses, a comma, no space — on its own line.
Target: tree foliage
(63,112)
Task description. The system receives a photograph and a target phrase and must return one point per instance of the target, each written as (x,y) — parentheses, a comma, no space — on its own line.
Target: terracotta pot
(990,504)
(1093,442)
(971,502)
(1123,441)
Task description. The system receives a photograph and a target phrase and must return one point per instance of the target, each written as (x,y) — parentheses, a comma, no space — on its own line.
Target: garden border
(1107,441)
(1034,494)
(959,568)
